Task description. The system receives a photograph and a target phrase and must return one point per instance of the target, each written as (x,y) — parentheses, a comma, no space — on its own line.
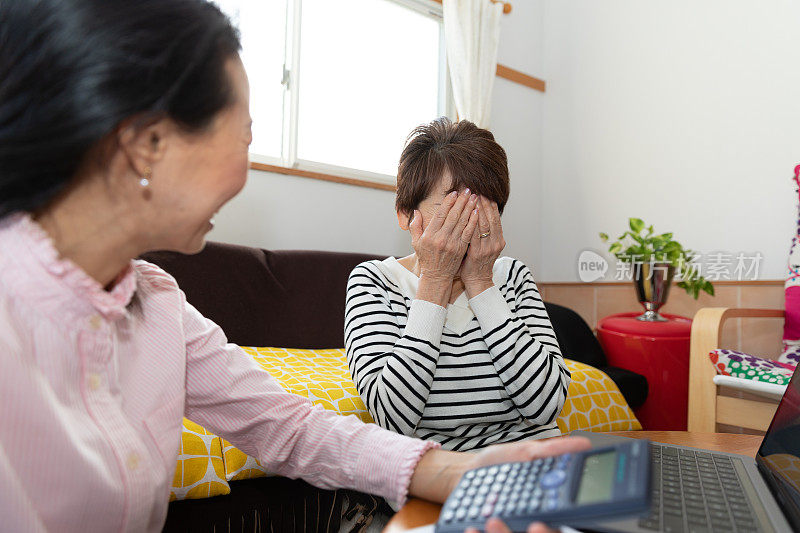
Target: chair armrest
(706,332)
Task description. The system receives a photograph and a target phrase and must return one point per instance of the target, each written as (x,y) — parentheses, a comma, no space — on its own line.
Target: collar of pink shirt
(111,304)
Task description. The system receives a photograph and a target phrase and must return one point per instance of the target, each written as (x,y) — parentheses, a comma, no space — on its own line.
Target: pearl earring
(145,181)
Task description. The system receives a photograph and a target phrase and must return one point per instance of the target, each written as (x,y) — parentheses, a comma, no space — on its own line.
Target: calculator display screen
(597,478)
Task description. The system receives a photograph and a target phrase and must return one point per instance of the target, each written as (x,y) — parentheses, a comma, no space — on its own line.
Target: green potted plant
(655,259)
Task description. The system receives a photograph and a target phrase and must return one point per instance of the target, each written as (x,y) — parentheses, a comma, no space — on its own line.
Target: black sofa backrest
(288,299)
(575,337)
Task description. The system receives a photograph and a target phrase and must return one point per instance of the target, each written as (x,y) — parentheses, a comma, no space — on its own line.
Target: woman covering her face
(124,127)
(452,343)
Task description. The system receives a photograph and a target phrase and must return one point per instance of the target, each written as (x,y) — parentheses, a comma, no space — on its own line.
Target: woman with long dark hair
(124,127)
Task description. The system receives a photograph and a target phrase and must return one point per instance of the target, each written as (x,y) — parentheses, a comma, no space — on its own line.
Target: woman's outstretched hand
(485,246)
(439,471)
(441,246)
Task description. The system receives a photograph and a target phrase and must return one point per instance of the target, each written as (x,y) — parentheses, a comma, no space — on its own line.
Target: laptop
(701,491)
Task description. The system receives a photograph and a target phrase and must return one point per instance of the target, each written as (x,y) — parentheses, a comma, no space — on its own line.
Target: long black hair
(72,70)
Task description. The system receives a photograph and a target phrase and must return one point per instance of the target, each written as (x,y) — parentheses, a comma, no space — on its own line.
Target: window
(337,86)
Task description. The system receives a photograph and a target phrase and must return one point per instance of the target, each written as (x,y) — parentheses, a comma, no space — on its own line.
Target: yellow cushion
(200,472)
(320,375)
(594,403)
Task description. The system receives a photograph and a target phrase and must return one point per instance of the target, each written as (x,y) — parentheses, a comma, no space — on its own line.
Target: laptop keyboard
(697,492)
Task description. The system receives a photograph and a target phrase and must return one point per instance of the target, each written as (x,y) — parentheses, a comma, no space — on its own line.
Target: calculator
(576,489)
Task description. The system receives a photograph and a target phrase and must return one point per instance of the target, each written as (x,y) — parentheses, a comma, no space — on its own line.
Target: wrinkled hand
(476,271)
(440,248)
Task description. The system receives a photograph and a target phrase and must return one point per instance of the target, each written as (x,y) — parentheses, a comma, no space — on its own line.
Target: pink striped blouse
(93,386)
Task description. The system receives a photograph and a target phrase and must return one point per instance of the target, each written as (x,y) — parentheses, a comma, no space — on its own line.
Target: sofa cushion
(633,386)
(267,298)
(200,472)
(594,403)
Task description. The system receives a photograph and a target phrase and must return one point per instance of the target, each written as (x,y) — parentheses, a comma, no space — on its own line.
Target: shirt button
(94,381)
(133,461)
(95,322)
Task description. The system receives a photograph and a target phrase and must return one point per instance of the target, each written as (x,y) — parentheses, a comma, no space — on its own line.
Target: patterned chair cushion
(742,365)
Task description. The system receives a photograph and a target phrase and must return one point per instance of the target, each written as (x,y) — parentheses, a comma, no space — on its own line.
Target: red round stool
(660,352)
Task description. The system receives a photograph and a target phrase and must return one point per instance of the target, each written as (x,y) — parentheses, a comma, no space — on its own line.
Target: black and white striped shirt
(482,371)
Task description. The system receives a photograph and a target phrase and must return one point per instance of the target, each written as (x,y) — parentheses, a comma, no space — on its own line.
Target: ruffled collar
(459,313)
(111,304)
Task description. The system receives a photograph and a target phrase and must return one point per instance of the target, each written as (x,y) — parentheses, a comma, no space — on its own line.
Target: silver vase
(652,282)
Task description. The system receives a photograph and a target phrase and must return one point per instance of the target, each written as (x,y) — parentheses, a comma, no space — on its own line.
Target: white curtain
(472,32)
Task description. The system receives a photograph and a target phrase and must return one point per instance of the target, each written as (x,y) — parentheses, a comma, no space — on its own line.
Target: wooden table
(416,512)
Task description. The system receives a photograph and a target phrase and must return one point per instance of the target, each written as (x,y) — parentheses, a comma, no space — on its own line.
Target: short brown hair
(469,153)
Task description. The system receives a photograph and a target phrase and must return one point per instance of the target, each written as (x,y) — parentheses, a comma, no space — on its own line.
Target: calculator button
(493,470)
(505,468)
(473,512)
(466,501)
(553,479)
(487,510)
(483,489)
(472,491)
(551,504)
(469,475)
(461,513)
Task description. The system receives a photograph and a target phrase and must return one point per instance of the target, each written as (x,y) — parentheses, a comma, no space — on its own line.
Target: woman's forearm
(437,474)
(434,289)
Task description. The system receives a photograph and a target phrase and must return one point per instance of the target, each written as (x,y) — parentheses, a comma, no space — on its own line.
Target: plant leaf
(604,237)
(636,224)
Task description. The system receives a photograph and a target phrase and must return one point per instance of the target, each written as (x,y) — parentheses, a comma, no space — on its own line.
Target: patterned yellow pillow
(239,465)
(320,375)
(200,472)
(594,403)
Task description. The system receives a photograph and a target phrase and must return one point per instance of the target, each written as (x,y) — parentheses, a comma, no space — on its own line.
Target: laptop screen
(779,455)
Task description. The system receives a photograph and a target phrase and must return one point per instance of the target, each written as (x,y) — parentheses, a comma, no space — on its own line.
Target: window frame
(292,81)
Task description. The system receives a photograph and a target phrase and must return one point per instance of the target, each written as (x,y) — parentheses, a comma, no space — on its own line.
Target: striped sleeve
(523,346)
(392,365)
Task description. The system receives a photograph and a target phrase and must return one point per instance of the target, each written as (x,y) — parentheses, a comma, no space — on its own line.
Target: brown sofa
(295,299)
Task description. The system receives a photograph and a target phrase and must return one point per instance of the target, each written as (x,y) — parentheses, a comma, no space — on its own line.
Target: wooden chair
(706,406)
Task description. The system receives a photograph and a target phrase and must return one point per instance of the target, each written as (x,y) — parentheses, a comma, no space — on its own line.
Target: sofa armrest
(706,332)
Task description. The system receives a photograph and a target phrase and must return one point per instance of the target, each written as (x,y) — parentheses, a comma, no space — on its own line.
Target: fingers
(443,211)
(538,527)
(495,525)
(492,210)
(465,217)
(469,234)
(558,446)
(484,224)
(415,226)
(454,217)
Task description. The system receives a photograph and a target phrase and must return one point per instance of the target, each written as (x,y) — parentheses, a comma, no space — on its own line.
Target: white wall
(286,212)
(683,113)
